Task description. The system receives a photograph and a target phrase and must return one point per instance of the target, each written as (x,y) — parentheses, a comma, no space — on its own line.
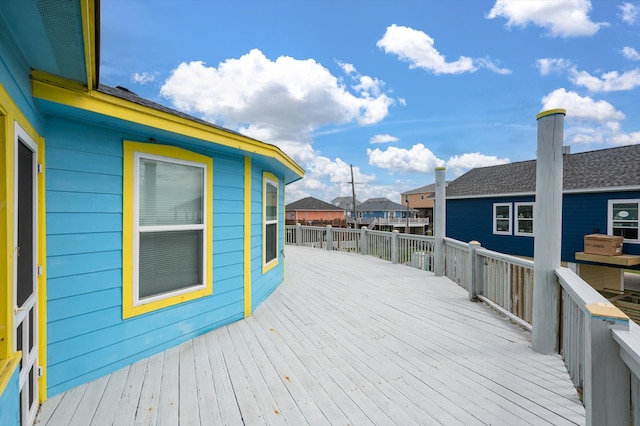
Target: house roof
(380,205)
(422,190)
(345,202)
(596,171)
(311,203)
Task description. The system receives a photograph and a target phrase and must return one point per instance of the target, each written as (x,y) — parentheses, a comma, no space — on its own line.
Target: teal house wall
(81,130)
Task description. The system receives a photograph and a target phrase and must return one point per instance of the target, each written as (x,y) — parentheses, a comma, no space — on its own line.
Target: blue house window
(524,219)
(623,219)
(502,218)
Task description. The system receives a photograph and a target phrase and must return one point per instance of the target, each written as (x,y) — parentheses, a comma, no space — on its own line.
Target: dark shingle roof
(421,190)
(380,205)
(311,203)
(128,95)
(345,202)
(598,170)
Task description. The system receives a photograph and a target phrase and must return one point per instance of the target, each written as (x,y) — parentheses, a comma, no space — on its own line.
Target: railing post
(329,238)
(363,240)
(547,220)
(394,246)
(298,234)
(439,222)
(472,270)
(607,378)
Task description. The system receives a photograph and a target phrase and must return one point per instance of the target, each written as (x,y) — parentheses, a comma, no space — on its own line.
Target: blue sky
(395,88)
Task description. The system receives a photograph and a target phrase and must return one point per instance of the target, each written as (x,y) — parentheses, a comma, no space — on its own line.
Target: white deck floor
(346,339)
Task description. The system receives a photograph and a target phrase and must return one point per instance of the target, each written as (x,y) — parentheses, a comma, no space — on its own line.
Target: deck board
(346,339)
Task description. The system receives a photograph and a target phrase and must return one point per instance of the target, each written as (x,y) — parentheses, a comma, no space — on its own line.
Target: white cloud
(581,108)
(284,100)
(589,122)
(630,53)
(417,48)
(551,65)
(417,159)
(607,82)
(629,13)
(459,164)
(143,77)
(382,139)
(561,18)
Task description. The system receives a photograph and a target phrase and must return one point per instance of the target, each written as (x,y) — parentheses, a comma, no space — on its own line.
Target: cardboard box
(607,245)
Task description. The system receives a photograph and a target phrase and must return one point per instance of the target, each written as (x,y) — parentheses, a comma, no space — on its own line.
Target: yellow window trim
(7,369)
(266,267)
(130,148)
(55,89)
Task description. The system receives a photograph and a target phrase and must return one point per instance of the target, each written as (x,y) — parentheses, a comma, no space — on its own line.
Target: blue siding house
(126,227)
(601,195)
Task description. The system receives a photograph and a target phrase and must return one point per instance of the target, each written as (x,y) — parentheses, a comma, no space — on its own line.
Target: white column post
(329,238)
(547,222)
(439,222)
(298,234)
(363,240)
(394,246)
(473,273)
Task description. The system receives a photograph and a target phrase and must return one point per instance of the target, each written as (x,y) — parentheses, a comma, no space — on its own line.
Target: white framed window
(270,221)
(523,219)
(623,219)
(167,229)
(502,218)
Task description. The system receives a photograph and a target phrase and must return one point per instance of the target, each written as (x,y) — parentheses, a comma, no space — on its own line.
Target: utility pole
(353,202)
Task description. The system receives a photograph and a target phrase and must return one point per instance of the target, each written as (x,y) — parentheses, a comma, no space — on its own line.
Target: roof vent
(566,150)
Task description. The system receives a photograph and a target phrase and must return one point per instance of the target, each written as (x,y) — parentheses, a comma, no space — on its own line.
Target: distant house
(127,227)
(311,211)
(494,205)
(346,203)
(420,199)
(384,214)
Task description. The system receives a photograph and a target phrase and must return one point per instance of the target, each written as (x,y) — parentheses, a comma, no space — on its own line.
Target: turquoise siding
(262,285)
(15,78)
(582,214)
(10,402)
(86,335)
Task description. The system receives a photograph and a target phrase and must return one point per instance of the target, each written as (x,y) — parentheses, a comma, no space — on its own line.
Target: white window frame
(495,218)
(517,219)
(137,229)
(610,217)
(269,179)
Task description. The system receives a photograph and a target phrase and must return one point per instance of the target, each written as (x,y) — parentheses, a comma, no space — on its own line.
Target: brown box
(607,245)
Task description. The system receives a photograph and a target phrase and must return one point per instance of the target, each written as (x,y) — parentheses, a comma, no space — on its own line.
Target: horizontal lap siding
(472,219)
(86,334)
(10,401)
(582,214)
(262,285)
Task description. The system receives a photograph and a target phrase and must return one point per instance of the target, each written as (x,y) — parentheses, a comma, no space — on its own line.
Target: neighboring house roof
(422,190)
(311,203)
(380,205)
(595,171)
(345,202)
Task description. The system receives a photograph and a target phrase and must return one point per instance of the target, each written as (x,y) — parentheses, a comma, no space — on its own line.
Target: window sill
(7,368)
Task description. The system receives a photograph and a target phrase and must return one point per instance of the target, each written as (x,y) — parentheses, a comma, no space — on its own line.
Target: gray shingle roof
(421,190)
(311,203)
(599,170)
(345,202)
(380,205)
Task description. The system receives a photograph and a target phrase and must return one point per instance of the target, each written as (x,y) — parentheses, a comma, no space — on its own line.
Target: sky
(394,88)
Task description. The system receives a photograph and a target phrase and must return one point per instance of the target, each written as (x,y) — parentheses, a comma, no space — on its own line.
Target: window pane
(502,225)
(271,237)
(170,261)
(525,212)
(525,226)
(271,199)
(625,211)
(502,211)
(170,194)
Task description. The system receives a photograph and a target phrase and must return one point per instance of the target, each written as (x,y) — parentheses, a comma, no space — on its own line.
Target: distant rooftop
(311,203)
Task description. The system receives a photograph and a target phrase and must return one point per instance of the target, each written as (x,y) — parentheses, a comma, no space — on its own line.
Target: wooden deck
(346,339)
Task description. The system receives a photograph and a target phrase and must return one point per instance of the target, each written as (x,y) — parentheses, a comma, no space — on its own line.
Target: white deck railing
(601,351)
